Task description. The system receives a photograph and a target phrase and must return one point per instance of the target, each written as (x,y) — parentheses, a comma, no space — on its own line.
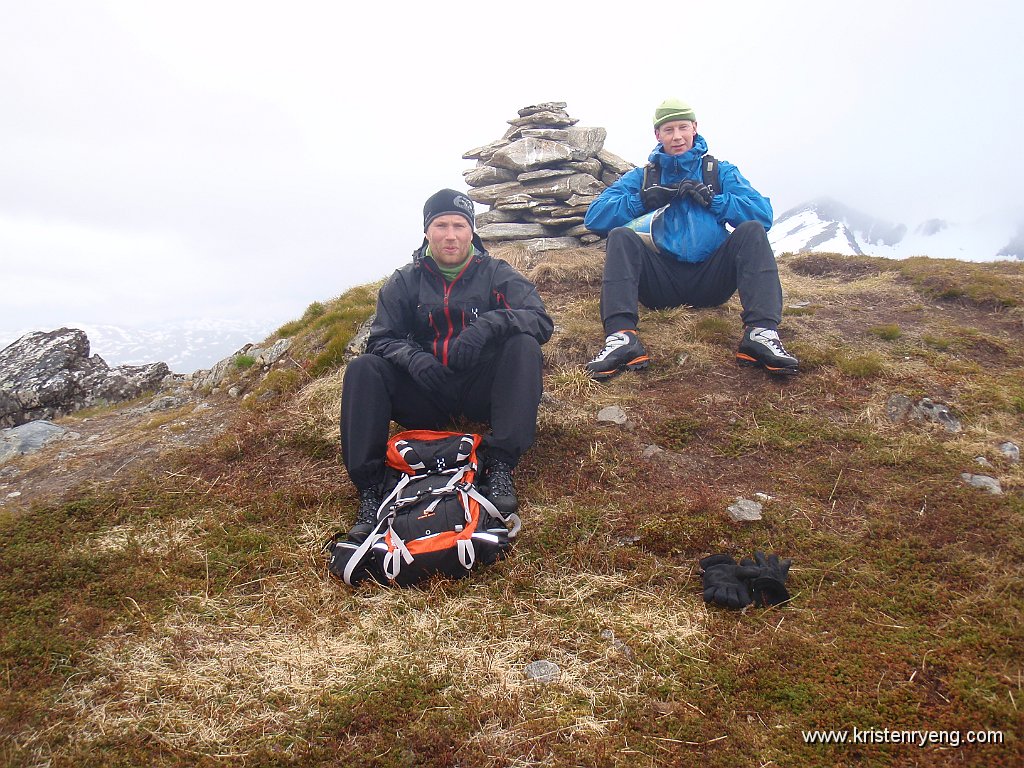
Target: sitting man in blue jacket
(456,333)
(668,245)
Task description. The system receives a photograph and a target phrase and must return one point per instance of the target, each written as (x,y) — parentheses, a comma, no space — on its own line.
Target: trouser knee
(750,244)
(364,369)
(522,349)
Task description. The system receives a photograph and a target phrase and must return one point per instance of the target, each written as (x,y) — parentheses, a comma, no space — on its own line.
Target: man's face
(676,136)
(450,238)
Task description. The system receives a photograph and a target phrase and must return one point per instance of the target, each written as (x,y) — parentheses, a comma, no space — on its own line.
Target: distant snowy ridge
(186,347)
(828,226)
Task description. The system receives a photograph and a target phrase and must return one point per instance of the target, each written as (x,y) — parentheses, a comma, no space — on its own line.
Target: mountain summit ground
(170,607)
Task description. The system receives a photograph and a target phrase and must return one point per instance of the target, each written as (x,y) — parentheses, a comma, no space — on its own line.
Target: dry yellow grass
(218,673)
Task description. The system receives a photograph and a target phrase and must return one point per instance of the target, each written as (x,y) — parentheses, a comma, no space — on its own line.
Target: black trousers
(633,274)
(503,391)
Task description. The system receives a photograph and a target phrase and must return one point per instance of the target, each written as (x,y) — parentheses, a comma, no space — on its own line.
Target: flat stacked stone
(539,179)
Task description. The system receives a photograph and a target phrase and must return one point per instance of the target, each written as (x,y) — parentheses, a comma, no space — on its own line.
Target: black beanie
(448,201)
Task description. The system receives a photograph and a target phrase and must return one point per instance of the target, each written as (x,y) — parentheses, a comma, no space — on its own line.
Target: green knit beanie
(672,109)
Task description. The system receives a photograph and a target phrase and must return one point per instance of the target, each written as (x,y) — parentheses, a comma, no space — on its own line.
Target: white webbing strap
(376,534)
(486,503)
(466,552)
(360,554)
(393,559)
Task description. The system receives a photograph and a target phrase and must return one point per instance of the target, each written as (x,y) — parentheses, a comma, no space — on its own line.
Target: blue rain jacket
(684,229)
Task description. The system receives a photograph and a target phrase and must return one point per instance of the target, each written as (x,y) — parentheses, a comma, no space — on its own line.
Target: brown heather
(165,607)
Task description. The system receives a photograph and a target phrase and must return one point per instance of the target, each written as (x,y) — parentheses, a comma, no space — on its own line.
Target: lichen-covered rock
(47,374)
(529,154)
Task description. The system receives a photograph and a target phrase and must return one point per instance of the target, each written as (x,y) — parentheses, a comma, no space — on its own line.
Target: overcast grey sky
(161,161)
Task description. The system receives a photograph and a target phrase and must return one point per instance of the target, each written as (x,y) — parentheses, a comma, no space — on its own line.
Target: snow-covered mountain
(186,347)
(828,226)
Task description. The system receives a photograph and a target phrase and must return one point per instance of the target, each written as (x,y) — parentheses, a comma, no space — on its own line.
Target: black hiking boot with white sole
(762,348)
(622,352)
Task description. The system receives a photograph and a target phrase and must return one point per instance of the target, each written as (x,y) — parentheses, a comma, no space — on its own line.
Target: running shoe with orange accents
(622,352)
(761,347)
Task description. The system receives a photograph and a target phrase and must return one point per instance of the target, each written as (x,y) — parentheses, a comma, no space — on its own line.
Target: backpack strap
(466,553)
(396,554)
(492,510)
(376,534)
(652,177)
(709,173)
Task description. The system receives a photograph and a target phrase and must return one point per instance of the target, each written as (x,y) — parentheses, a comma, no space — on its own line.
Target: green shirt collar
(450,273)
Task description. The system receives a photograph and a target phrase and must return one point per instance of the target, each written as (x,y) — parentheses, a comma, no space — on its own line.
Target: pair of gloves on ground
(737,585)
(464,353)
(659,195)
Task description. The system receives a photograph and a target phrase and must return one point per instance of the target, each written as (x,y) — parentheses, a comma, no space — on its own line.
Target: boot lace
(770,339)
(369,503)
(611,343)
(499,479)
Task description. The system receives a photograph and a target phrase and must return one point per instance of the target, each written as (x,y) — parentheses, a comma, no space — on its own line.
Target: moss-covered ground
(182,616)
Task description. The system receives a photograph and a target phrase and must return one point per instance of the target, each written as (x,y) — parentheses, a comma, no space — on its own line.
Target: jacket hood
(685,164)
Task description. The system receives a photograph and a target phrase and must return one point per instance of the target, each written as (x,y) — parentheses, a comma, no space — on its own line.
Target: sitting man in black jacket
(456,333)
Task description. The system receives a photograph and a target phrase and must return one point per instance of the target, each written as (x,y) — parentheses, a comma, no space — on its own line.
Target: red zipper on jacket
(447,313)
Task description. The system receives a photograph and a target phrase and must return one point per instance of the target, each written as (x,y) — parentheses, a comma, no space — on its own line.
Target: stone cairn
(539,178)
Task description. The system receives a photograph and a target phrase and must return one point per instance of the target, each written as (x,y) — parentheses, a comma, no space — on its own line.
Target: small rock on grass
(745,510)
(1010,451)
(618,645)
(542,671)
(984,482)
(612,414)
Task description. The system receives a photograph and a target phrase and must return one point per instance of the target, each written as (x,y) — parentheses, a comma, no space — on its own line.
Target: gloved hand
(427,371)
(769,582)
(468,346)
(700,193)
(657,196)
(724,581)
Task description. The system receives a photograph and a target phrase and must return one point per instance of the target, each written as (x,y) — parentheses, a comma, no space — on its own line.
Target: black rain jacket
(418,310)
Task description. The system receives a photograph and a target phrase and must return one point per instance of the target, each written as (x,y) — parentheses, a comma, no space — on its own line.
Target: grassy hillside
(182,615)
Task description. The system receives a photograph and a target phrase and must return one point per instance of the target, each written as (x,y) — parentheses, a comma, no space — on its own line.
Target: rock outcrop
(44,375)
(261,358)
(27,438)
(540,177)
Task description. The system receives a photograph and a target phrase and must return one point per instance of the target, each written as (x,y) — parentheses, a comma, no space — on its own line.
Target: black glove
(699,193)
(769,583)
(427,371)
(657,196)
(725,581)
(468,346)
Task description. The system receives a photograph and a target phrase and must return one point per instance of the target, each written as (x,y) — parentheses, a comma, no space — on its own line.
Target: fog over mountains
(829,226)
(186,347)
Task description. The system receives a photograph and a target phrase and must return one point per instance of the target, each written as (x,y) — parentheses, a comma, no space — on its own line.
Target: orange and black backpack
(433,519)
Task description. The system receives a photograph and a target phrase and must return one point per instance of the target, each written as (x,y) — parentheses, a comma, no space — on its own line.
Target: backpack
(433,519)
(708,170)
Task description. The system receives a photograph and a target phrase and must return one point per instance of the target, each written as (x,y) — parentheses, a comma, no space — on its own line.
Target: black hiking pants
(503,391)
(633,274)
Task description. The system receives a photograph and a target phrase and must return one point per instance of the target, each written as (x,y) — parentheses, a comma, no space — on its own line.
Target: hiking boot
(366,515)
(762,347)
(622,352)
(499,488)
